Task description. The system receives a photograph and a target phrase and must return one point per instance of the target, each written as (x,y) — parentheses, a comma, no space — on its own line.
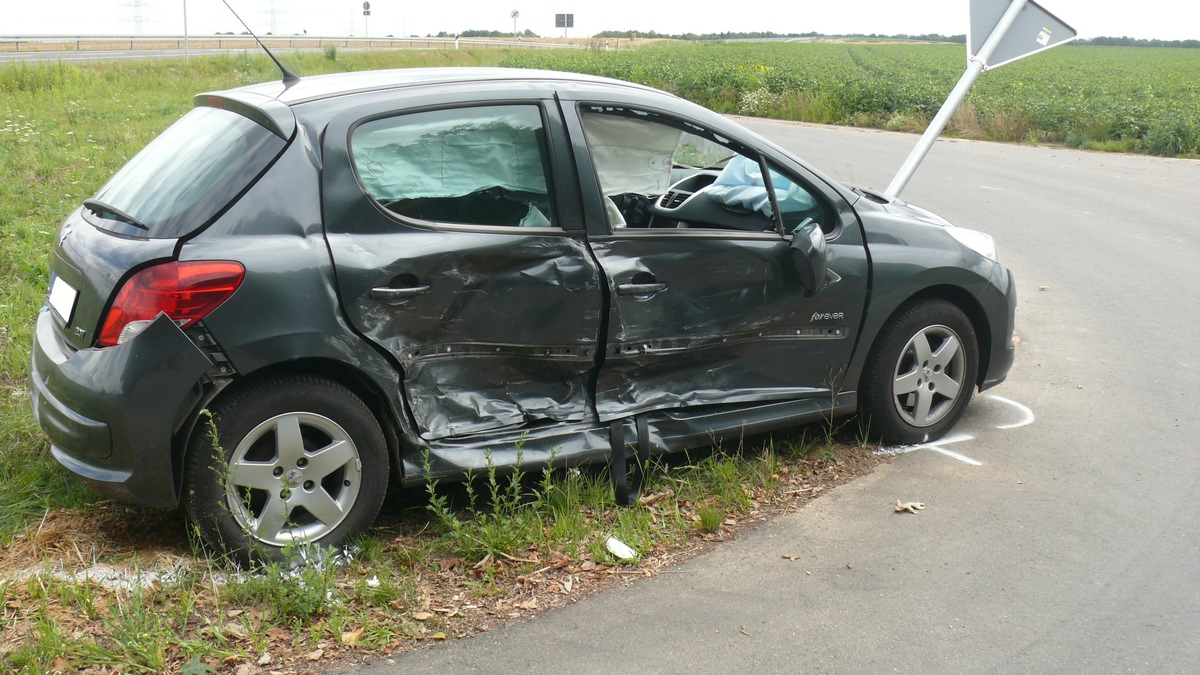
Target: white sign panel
(1034,30)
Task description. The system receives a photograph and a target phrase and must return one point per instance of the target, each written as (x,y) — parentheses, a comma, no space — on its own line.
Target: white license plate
(62,298)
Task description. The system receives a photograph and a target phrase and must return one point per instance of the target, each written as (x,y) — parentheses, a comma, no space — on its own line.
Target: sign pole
(1014,30)
(187,52)
(974,69)
(976,64)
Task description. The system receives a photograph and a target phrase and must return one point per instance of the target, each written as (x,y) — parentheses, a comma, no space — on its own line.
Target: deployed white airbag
(631,155)
(740,185)
(433,159)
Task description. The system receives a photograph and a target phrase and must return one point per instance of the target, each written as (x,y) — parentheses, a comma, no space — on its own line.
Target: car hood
(891,220)
(898,207)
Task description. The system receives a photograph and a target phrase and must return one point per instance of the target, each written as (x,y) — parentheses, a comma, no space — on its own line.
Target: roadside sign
(564,20)
(1001,32)
(1035,29)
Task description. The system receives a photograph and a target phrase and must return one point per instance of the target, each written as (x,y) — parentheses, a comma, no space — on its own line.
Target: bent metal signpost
(1001,32)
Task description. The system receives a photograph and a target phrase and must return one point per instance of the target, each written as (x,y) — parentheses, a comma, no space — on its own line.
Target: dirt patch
(75,540)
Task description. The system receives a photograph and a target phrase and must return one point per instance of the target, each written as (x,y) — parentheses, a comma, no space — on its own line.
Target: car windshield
(186,176)
(694,152)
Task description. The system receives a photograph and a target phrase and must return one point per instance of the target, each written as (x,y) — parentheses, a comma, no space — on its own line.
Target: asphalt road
(1062,537)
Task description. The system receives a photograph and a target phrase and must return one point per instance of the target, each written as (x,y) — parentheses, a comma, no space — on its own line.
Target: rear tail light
(184,291)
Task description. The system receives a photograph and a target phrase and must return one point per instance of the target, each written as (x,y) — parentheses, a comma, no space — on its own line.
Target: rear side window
(470,166)
(186,176)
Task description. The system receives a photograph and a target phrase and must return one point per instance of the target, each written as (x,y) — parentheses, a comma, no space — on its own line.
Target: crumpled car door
(449,254)
(706,306)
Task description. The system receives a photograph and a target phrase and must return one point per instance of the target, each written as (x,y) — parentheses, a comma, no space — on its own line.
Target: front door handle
(641,289)
(397,294)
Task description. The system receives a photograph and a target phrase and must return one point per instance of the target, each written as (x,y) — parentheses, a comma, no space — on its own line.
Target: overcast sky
(1164,19)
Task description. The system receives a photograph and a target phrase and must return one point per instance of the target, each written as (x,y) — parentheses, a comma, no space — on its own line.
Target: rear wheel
(920,374)
(296,461)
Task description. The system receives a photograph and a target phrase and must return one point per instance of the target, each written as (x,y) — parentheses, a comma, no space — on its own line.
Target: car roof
(318,87)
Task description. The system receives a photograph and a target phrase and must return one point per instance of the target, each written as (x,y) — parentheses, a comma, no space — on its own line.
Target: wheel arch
(958,296)
(361,384)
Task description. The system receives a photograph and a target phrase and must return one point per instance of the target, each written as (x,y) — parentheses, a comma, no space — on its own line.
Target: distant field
(1123,99)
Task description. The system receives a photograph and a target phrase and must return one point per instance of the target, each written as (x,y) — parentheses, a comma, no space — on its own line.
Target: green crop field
(1103,98)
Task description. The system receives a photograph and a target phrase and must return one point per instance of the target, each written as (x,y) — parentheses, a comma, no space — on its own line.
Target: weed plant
(301,592)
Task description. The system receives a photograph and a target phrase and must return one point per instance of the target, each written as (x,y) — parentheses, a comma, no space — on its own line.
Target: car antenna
(289,78)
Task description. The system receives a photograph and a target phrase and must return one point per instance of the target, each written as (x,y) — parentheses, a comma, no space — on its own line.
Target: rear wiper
(100,208)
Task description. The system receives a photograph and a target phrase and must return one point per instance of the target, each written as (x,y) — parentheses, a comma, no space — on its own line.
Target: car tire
(920,374)
(296,462)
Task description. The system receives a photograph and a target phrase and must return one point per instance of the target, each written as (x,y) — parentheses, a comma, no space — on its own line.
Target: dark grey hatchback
(300,293)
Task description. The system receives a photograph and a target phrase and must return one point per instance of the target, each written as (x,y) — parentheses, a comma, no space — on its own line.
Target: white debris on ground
(168,570)
(114,578)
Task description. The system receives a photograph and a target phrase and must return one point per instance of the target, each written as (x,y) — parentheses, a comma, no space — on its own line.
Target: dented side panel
(492,325)
(729,325)
(505,334)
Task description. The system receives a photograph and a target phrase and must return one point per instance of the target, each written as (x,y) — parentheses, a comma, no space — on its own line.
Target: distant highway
(130,55)
(85,49)
(110,55)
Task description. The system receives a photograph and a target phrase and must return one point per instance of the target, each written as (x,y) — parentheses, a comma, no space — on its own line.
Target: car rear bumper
(112,414)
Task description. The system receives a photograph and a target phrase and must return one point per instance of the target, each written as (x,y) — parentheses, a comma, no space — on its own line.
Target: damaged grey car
(302,293)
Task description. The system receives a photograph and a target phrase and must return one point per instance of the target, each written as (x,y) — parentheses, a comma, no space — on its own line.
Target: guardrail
(92,43)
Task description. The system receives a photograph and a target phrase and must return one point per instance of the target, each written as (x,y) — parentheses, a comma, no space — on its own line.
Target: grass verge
(119,589)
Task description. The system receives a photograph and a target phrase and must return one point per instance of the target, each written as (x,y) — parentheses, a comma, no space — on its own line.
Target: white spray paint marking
(110,577)
(1025,421)
(950,453)
(949,440)
(935,446)
(1027,418)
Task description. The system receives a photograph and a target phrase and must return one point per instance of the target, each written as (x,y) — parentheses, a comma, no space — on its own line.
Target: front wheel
(295,461)
(920,374)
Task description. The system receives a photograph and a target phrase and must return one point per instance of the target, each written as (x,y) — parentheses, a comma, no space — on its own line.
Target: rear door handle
(397,294)
(641,289)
